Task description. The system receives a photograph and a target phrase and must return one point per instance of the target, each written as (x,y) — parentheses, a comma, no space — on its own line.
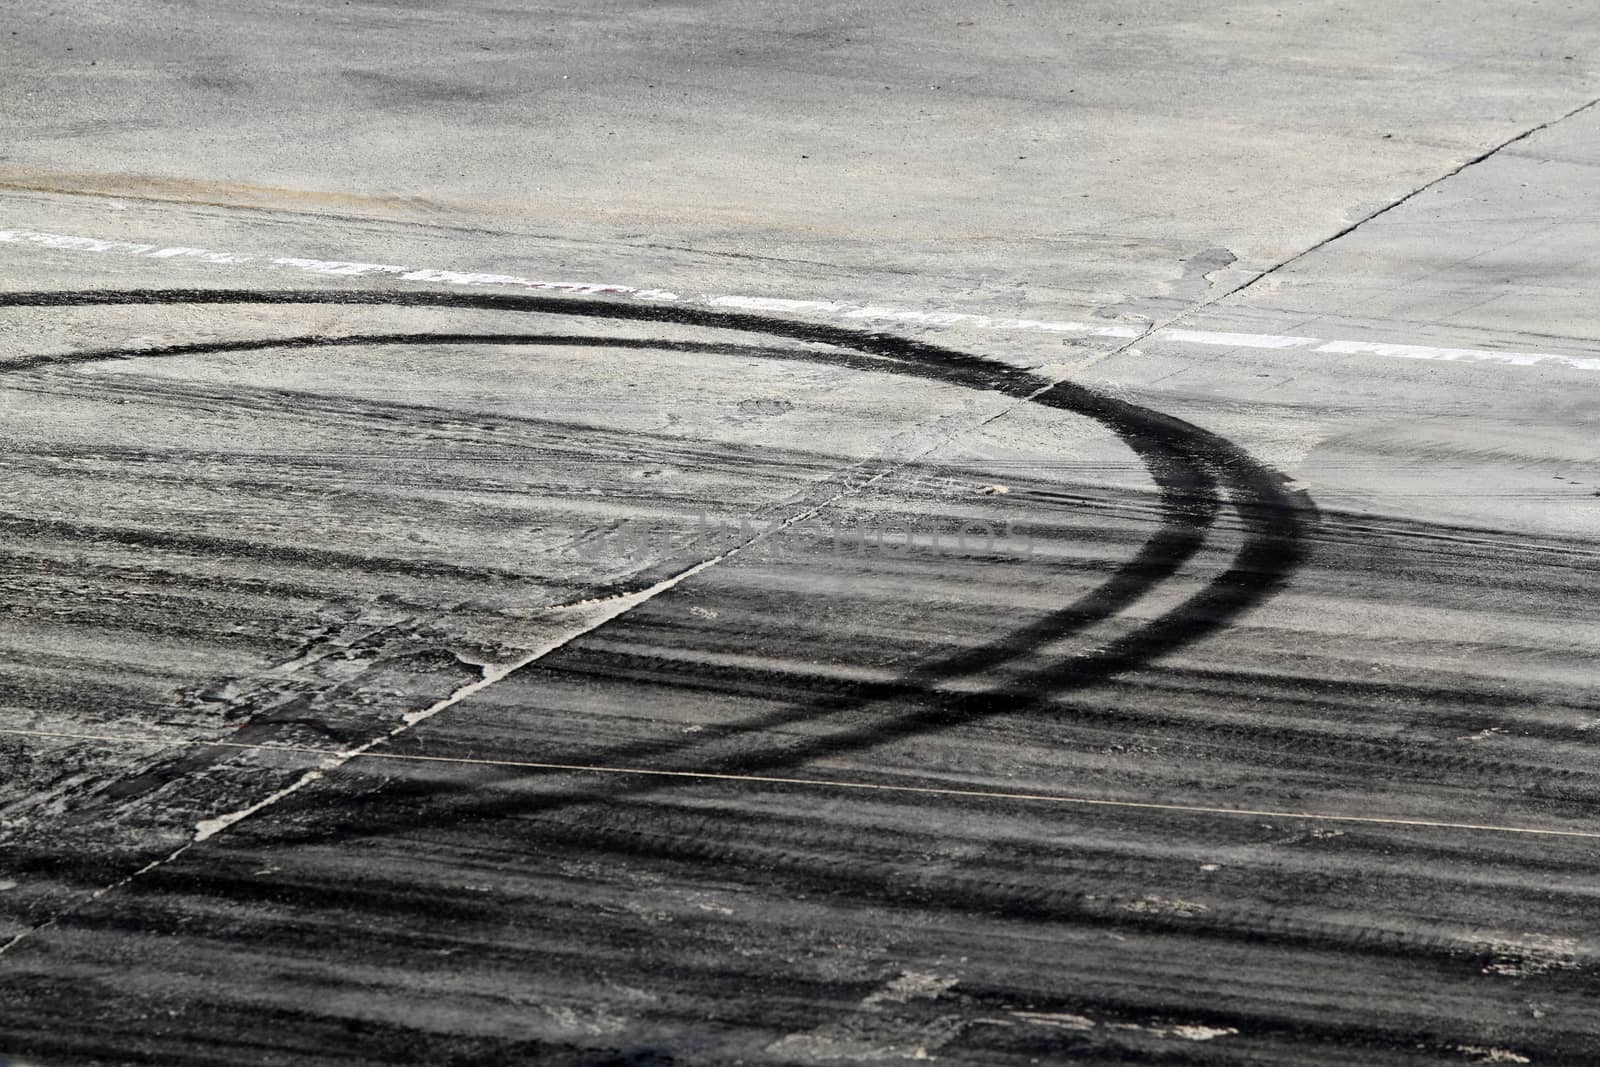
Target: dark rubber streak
(1185,461)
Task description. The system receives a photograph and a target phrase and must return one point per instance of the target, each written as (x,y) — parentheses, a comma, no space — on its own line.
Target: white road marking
(820,308)
(837,310)
(1239,340)
(1484,355)
(366,752)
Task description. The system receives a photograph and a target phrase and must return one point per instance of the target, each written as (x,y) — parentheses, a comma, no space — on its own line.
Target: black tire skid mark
(1186,462)
(796,858)
(90,534)
(1162,556)
(1274,519)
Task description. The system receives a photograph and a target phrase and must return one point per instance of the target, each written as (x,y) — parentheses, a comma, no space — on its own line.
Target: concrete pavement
(1096,607)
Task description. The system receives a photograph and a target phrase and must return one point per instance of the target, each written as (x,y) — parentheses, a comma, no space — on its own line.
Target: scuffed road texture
(1263,730)
(456,910)
(447,912)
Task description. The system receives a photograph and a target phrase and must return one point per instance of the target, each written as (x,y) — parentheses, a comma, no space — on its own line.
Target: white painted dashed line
(62,242)
(837,310)
(1238,340)
(1478,355)
(820,308)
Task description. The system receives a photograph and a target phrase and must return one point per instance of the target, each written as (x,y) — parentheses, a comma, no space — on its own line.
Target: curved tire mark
(1187,463)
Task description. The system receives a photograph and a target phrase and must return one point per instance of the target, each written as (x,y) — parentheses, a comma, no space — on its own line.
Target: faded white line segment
(837,310)
(820,308)
(349,268)
(365,752)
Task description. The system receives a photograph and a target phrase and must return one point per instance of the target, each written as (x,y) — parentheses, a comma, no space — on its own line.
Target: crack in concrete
(1179,316)
(614,607)
(618,605)
(1418,191)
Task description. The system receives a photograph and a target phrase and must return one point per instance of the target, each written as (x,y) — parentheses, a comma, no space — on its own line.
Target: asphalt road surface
(724,532)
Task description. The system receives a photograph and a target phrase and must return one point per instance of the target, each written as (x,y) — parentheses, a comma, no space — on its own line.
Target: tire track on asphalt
(1186,462)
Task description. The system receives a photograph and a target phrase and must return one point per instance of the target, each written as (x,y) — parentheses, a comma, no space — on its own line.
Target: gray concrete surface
(376,694)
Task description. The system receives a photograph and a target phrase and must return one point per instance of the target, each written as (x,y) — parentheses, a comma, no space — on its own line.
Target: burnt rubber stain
(1190,466)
